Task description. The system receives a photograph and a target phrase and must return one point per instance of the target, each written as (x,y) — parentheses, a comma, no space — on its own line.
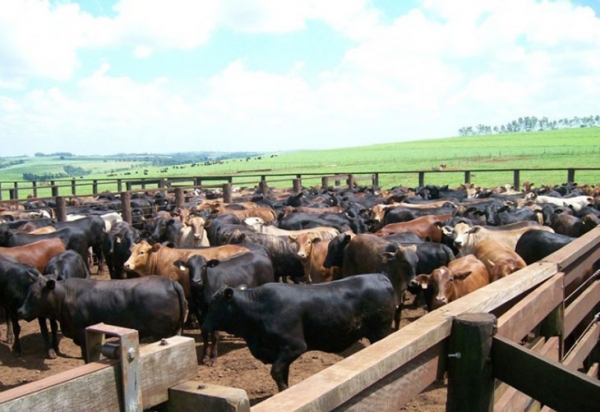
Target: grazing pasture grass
(567,148)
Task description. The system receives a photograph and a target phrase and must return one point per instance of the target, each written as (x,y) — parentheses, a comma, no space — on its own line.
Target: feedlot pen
(546,345)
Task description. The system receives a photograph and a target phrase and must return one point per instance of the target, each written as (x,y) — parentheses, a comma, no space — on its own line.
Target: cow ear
(475,229)
(179,264)
(118,239)
(387,256)
(50,284)
(346,238)
(462,275)
(438,224)
(448,230)
(155,247)
(292,238)
(212,263)
(228,293)
(316,239)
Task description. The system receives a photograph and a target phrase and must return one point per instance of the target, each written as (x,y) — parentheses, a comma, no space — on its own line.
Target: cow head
(41,299)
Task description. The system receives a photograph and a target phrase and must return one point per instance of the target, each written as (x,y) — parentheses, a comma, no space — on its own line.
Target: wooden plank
(530,311)
(335,385)
(549,382)
(401,386)
(593,371)
(581,307)
(97,386)
(582,348)
(509,399)
(575,250)
(579,271)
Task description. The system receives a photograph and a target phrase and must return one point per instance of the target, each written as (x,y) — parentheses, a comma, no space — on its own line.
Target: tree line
(69,172)
(531,124)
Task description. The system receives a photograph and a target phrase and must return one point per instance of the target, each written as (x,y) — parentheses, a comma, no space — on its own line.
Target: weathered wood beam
(97,386)
(581,307)
(549,382)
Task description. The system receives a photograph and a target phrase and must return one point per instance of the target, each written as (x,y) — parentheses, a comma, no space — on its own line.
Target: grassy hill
(534,150)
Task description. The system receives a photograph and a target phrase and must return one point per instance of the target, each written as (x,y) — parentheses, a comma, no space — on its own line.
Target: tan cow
(312,249)
(499,259)
(461,277)
(147,259)
(467,237)
(259,225)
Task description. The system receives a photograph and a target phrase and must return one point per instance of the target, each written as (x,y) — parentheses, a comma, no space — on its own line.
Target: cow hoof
(51,354)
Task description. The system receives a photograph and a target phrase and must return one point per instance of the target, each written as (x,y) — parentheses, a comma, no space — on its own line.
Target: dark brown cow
(461,277)
(425,227)
(36,254)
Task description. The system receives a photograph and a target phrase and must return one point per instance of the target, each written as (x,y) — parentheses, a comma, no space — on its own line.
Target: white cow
(257,224)
(576,203)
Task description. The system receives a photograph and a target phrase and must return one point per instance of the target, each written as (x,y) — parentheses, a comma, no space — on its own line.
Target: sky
(148,76)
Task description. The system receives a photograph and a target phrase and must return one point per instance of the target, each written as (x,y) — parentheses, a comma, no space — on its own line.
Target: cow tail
(182,306)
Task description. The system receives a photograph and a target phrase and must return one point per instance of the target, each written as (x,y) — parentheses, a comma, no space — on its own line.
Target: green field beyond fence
(557,149)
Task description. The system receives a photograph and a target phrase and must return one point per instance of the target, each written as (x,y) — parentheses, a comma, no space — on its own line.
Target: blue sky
(103,77)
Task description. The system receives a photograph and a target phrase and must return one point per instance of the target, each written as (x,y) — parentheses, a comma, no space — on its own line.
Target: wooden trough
(546,327)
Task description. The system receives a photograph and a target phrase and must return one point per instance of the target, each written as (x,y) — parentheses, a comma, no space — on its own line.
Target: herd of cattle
(287,272)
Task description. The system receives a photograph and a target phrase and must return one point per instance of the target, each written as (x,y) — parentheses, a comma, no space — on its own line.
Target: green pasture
(560,149)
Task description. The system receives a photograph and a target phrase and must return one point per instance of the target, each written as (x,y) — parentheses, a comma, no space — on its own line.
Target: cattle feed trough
(541,305)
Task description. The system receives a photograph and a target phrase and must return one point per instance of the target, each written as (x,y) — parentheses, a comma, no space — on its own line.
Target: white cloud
(427,73)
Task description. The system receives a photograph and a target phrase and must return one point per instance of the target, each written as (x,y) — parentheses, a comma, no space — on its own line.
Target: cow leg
(280,370)
(10,337)
(44,330)
(54,330)
(14,319)
(209,347)
(97,248)
(397,314)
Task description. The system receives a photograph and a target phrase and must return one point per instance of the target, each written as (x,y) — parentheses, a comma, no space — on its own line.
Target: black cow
(166,230)
(15,279)
(207,277)
(153,305)
(283,253)
(280,322)
(94,229)
(66,265)
(117,246)
(535,245)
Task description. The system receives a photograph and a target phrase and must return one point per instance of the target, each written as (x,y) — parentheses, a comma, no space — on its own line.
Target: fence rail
(19,190)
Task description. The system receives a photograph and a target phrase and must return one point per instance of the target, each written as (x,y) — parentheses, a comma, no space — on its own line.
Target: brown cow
(36,254)
(312,249)
(147,259)
(461,277)
(499,259)
(426,227)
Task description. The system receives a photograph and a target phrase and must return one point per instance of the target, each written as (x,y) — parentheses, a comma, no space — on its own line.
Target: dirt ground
(236,367)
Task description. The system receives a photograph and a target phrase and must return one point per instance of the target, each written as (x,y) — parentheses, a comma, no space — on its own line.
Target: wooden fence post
(421,179)
(0,191)
(375,180)
(179,197)
(73,187)
(197,181)
(297,185)
(119,185)
(350,181)
(16,191)
(470,377)
(467,177)
(94,187)
(126,207)
(516,180)
(54,189)
(61,209)
(263,187)
(34,187)
(13,194)
(570,175)
(325,183)
(227,192)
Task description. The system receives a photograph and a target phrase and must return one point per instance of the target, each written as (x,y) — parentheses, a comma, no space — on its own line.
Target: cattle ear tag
(182,268)
(118,240)
(424,285)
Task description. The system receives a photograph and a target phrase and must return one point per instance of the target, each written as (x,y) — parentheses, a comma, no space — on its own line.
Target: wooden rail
(386,375)
(18,190)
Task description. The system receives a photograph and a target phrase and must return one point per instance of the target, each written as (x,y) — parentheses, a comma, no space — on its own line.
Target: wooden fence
(19,190)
